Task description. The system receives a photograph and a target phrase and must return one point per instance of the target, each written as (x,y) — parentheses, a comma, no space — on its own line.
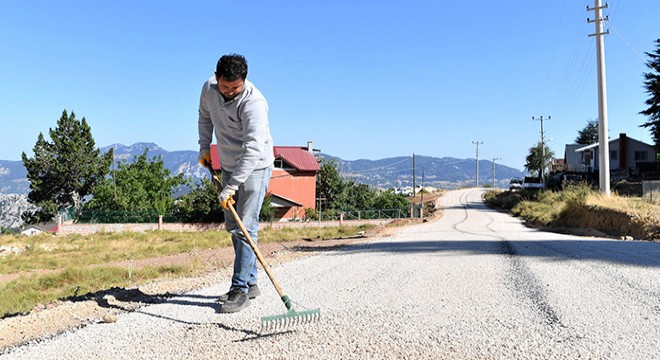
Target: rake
(292,316)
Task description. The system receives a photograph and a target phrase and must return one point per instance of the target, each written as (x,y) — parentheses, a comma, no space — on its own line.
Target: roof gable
(610,141)
(298,157)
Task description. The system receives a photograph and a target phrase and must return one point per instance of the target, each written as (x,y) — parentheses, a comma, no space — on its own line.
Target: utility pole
(477,143)
(421,208)
(414,178)
(494,159)
(603,143)
(542,147)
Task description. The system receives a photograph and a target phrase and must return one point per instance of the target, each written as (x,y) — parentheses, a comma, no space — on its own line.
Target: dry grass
(581,207)
(56,267)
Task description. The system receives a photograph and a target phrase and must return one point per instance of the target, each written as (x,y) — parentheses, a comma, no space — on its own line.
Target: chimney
(623,141)
(310,148)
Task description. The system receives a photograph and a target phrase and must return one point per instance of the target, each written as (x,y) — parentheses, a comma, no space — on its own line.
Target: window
(281,164)
(641,155)
(614,155)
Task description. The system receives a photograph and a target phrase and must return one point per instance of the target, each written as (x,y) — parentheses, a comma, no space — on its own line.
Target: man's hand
(226,196)
(205,159)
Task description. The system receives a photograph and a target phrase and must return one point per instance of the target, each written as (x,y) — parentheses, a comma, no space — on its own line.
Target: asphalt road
(475,284)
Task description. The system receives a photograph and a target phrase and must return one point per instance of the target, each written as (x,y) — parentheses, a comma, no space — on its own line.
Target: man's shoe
(236,301)
(253,292)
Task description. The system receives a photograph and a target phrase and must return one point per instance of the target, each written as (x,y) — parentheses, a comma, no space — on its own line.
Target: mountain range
(445,172)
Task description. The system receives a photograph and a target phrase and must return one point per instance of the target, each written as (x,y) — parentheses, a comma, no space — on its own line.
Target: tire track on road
(519,278)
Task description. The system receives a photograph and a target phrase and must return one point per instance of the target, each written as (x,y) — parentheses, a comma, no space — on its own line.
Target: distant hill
(13,178)
(176,161)
(443,172)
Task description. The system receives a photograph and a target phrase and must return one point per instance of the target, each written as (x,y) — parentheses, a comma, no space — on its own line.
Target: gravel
(475,284)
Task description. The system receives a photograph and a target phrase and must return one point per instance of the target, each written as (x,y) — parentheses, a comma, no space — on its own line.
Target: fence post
(160,221)
(58,227)
(341,219)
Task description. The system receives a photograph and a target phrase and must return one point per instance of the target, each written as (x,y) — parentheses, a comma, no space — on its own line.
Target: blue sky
(361,79)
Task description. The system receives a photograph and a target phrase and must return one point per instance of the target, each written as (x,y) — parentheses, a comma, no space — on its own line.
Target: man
(238,112)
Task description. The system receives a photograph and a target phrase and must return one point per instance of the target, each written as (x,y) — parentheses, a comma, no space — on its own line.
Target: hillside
(446,172)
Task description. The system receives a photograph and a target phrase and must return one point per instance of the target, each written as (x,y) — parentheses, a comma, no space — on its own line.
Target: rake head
(290,318)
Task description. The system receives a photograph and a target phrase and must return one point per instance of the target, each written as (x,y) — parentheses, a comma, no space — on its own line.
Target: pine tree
(588,135)
(652,85)
(64,171)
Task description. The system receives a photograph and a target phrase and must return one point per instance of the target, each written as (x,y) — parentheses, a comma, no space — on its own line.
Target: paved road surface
(476,284)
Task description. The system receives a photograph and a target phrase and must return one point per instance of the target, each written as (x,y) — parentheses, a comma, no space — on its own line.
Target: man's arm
(204,126)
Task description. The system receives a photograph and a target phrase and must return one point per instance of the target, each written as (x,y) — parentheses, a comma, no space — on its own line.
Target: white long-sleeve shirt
(241,129)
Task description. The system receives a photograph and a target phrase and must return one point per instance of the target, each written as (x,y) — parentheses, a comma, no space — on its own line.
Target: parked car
(572,179)
(532,183)
(560,180)
(515,184)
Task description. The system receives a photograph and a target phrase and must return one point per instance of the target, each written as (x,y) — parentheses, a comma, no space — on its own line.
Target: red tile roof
(296,156)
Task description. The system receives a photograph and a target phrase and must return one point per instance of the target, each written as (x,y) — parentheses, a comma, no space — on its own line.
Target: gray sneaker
(236,301)
(253,292)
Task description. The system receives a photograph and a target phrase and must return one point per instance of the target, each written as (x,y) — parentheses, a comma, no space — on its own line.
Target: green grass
(80,264)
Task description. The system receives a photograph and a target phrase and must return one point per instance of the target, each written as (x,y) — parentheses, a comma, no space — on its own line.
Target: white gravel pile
(476,284)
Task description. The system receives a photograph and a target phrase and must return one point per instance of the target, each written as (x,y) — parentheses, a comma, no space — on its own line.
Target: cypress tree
(652,85)
(64,171)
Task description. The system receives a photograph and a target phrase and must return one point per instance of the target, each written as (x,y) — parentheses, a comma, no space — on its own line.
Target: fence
(651,190)
(148,216)
(373,214)
(140,221)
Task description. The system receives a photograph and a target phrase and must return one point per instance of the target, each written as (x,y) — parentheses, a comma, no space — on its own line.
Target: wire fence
(371,214)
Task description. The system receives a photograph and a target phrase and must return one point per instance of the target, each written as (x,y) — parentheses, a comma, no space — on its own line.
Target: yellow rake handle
(254,247)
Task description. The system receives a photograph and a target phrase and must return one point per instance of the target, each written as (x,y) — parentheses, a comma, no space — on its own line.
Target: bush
(311,214)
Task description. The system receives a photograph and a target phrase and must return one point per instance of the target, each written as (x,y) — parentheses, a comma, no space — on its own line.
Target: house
(292,186)
(626,154)
(40,229)
(557,165)
(573,159)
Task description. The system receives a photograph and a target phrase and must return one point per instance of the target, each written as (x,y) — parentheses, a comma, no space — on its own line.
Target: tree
(267,212)
(652,85)
(330,185)
(341,194)
(64,171)
(390,200)
(138,191)
(200,205)
(589,134)
(535,160)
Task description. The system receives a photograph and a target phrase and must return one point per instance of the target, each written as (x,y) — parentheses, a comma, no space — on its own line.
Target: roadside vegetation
(580,207)
(59,267)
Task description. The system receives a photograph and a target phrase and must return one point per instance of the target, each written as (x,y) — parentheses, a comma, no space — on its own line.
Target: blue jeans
(249,197)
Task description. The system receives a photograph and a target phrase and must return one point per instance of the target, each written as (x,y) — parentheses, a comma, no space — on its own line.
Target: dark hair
(231,67)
